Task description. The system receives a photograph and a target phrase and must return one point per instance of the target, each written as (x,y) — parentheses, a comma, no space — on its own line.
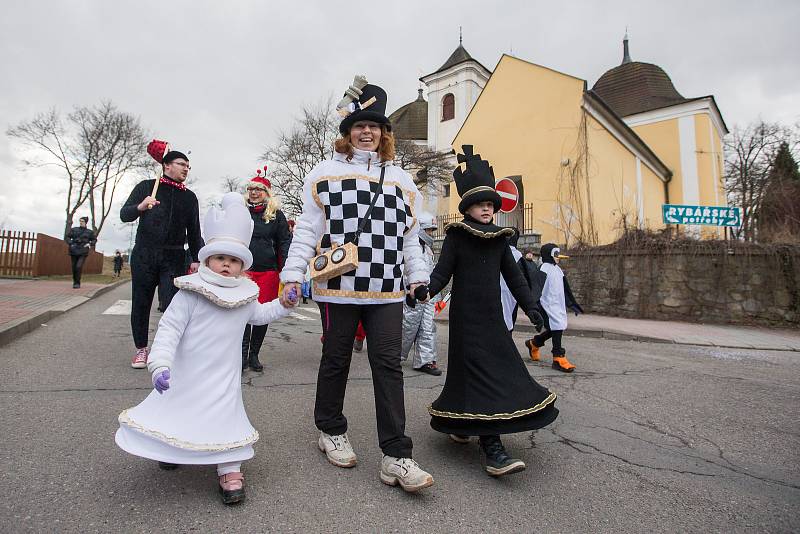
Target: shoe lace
(409,464)
(340,442)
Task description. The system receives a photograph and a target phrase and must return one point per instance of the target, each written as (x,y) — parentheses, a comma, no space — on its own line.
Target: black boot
(256,339)
(245,348)
(255,365)
(498,462)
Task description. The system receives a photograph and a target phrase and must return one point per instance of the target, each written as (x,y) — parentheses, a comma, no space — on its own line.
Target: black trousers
(383,324)
(252,340)
(151,268)
(539,340)
(77,268)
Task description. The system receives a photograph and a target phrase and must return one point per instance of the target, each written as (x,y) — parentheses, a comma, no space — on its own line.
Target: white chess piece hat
(228,230)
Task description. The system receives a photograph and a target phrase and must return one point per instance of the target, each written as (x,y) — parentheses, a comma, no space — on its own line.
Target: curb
(16,329)
(618,336)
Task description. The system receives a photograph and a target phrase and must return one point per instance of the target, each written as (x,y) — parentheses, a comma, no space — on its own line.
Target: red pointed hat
(157,149)
(261,180)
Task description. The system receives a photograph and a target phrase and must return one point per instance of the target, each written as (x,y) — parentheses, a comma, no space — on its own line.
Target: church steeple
(626,55)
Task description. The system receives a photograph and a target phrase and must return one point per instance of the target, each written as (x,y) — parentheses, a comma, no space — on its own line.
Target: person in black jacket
(118,261)
(270,247)
(80,240)
(166,222)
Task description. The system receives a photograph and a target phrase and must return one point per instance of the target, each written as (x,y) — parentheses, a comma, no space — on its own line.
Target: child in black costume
(488,390)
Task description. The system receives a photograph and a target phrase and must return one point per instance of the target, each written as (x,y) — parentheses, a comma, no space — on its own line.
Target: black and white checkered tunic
(345,200)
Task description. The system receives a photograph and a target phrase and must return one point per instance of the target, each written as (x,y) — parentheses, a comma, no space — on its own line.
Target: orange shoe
(533,349)
(562,364)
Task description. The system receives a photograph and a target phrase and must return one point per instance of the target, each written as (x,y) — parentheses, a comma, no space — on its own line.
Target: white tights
(228,467)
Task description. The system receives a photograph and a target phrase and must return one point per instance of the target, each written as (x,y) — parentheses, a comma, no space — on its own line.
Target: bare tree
(750,153)
(231,184)
(427,167)
(298,150)
(96,147)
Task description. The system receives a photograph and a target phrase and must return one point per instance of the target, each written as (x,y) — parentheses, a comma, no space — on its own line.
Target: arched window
(448,107)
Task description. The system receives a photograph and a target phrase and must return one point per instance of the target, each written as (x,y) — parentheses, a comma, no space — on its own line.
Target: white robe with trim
(200,419)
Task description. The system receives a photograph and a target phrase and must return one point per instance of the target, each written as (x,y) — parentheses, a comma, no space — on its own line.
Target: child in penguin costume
(556,298)
(488,390)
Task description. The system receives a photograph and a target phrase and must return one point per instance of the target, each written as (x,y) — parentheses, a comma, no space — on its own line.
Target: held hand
(147,203)
(577,309)
(536,319)
(161,381)
(420,292)
(194,267)
(285,296)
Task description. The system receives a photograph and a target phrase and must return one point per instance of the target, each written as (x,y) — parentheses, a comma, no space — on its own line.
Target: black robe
(488,389)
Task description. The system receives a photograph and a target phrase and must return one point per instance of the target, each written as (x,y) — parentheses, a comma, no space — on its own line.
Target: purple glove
(161,381)
(292,297)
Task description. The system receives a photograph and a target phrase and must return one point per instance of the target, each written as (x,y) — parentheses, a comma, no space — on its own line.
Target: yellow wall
(528,121)
(525,123)
(663,139)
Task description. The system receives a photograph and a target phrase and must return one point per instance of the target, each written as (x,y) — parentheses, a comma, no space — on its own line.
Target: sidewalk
(745,337)
(26,304)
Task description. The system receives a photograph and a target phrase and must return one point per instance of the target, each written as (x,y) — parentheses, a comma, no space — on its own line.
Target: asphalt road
(651,438)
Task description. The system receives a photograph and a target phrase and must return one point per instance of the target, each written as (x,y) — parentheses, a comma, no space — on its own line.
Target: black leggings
(383,324)
(77,268)
(539,340)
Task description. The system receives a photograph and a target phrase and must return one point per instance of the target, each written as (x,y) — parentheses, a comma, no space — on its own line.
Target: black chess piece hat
(362,102)
(476,184)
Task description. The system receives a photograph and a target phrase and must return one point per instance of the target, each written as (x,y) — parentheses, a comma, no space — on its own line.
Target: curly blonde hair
(342,145)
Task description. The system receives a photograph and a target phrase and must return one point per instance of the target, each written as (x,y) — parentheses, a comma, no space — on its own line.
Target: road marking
(121,307)
(301,316)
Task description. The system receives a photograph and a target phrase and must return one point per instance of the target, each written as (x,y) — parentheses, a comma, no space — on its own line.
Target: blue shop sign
(708,215)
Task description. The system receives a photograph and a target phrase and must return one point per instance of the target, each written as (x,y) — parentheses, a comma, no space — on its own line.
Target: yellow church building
(590,162)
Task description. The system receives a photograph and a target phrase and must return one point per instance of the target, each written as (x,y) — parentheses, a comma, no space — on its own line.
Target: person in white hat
(195,414)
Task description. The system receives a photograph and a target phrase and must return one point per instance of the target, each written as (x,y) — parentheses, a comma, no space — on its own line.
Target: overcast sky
(219,78)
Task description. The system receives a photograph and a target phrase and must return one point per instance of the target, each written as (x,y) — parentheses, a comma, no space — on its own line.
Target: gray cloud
(219,78)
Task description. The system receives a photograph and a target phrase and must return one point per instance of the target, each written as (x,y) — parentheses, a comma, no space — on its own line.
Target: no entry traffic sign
(509,194)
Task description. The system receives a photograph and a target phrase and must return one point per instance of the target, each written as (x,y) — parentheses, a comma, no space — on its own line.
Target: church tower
(452,91)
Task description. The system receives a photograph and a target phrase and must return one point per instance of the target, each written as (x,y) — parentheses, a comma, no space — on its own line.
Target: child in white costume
(195,415)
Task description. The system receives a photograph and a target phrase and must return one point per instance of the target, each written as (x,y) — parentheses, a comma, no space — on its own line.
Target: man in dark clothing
(80,240)
(166,222)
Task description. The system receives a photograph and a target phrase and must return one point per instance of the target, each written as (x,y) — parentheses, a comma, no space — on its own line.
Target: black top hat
(362,102)
(476,184)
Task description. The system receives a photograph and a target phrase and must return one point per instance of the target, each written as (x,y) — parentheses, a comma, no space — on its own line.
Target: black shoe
(245,365)
(76,285)
(358,345)
(255,365)
(166,466)
(430,368)
(498,462)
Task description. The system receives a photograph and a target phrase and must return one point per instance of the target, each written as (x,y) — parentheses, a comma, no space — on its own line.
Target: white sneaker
(338,449)
(406,472)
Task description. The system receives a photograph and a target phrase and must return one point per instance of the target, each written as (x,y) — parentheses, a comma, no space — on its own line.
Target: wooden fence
(27,254)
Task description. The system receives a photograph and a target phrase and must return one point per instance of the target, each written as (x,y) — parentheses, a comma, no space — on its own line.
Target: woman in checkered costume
(337,194)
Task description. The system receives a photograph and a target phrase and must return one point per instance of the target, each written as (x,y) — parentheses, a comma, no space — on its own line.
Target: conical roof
(635,87)
(411,121)
(459,55)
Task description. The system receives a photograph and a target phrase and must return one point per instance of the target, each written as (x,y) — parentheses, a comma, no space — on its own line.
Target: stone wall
(719,284)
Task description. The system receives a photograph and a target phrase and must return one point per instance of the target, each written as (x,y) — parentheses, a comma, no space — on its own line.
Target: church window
(448,107)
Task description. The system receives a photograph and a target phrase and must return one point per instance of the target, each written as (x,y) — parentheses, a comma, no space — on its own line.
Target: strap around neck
(369,210)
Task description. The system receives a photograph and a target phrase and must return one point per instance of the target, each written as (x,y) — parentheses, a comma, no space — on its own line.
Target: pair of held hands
(161,376)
